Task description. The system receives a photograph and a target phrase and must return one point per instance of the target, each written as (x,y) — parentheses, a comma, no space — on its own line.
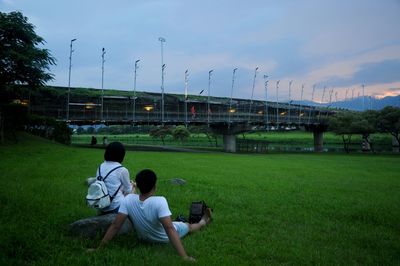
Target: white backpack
(98,196)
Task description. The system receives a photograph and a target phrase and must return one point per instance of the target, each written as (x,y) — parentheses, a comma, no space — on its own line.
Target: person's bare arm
(113,229)
(174,238)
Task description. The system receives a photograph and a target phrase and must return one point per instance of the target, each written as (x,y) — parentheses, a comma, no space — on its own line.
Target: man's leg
(206,219)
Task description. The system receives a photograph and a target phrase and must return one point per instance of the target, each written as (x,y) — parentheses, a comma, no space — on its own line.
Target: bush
(180,133)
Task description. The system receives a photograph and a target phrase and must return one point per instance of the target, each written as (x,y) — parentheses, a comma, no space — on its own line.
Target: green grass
(268,209)
(290,140)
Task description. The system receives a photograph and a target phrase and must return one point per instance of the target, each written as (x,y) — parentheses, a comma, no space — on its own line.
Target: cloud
(348,68)
(8,2)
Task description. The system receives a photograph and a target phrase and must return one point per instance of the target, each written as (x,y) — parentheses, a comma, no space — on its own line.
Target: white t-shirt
(114,181)
(145,216)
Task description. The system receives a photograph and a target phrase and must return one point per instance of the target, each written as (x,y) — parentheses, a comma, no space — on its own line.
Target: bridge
(224,116)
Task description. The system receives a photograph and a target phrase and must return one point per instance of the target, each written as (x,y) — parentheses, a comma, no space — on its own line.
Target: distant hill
(357,103)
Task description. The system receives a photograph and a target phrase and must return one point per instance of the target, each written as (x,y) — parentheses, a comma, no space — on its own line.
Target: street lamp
(69,76)
(134,93)
(363,95)
(148,108)
(103,52)
(266,99)
(290,102)
(312,99)
(252,91)
(208,98)
(162,41)
(186,95)
(301,99)
(277,105)
(230,102)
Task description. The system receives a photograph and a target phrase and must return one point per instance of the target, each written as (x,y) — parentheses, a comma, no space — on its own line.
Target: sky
(329,45)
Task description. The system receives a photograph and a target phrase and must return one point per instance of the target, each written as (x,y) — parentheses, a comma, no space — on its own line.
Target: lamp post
(277,107)
(134,92)
(162,41)
(208,98)
(301,99)
(312,99)
(322,102)
(290,102)
(148,108)
(252,91)
(69,76)
(266,99)
(363,95)
(186,95)
(103,52)
(230,102)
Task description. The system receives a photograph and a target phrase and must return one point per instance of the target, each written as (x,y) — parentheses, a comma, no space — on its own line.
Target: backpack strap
(113,196)
(99,177)
(112,170)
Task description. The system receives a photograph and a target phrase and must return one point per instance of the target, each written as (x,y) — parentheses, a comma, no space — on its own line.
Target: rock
(97,225)
(177,181)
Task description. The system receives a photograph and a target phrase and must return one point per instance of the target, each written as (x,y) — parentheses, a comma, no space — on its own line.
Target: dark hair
(146,180)
(115,152)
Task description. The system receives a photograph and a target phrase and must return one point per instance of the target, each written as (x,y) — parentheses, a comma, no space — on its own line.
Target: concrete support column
(229,143)
(318,141)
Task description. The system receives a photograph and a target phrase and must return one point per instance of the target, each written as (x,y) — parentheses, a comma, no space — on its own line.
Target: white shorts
(182,228)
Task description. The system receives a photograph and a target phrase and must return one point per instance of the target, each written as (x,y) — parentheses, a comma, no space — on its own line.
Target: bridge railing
(121,110)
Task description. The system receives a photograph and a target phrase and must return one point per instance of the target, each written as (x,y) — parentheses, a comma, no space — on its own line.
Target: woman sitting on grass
(151,217)
(118,182)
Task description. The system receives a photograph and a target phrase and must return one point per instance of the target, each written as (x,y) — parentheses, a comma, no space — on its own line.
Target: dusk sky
(337,44)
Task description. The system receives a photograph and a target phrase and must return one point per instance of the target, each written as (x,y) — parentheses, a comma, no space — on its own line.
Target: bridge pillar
(318,141)
(229,143)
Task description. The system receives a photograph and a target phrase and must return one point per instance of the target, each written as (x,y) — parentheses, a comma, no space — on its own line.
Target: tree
(210,134)
(160,132)
(341,124)
(367,126)
(180,133)
(389,121)
(349,123)
(21,60)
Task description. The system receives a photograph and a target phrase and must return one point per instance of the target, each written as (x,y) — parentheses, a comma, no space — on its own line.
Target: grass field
(278,141)
(268,209)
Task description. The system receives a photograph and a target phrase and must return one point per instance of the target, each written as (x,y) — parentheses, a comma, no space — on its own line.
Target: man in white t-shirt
(151,216)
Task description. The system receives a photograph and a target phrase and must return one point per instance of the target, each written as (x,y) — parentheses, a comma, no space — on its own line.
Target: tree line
(349,123)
